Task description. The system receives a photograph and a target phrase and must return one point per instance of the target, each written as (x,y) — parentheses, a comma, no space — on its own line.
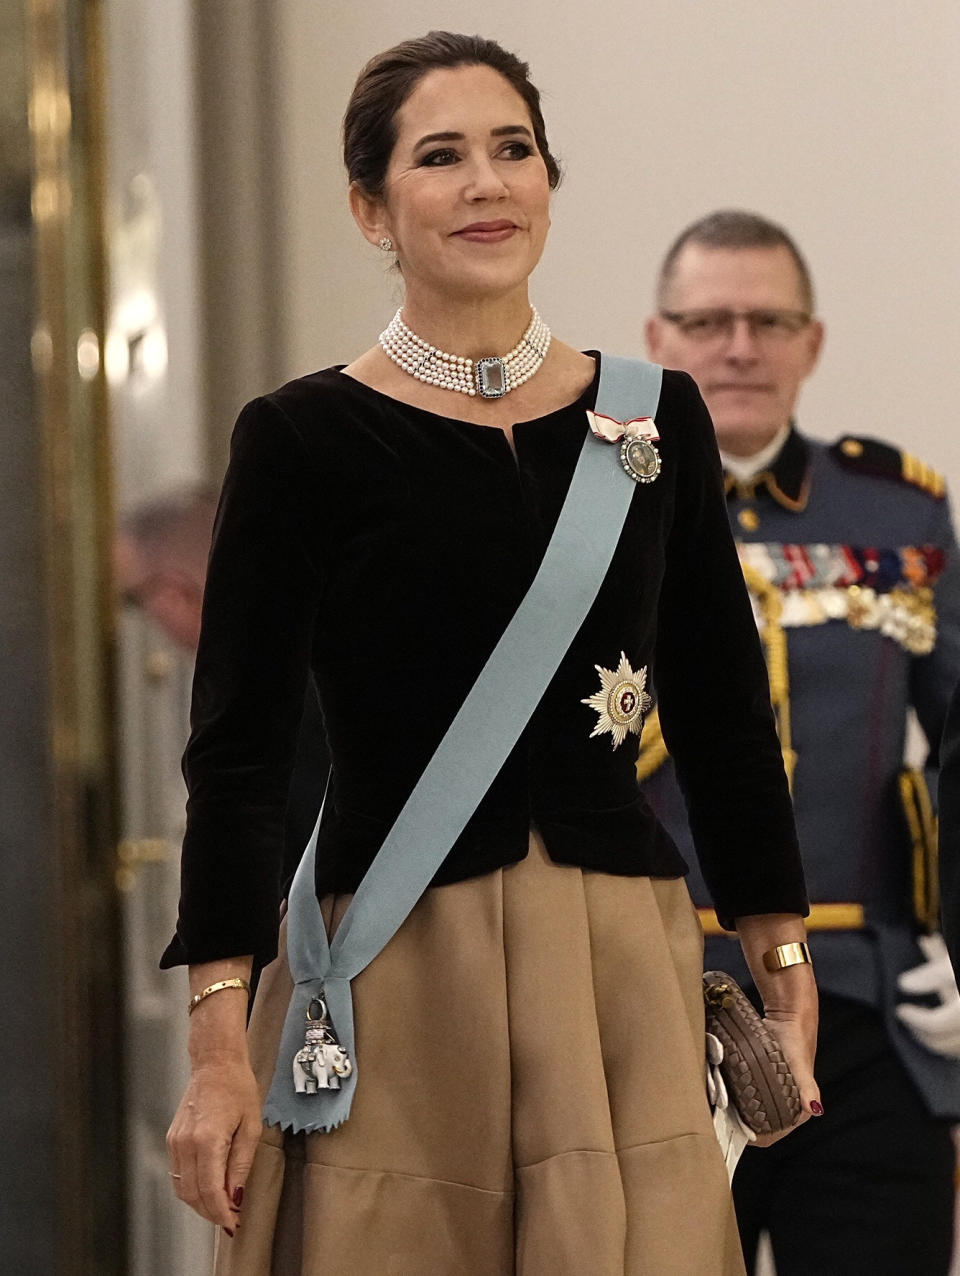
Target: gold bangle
(785,955)
(217,987)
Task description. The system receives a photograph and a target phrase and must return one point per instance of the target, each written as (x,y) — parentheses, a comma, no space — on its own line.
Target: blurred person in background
(160,565)
(850,557)
(160,559)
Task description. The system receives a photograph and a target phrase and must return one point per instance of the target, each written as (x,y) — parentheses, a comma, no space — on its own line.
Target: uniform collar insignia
(786,479)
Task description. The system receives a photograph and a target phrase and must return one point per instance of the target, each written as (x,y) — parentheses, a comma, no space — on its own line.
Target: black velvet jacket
(386,548)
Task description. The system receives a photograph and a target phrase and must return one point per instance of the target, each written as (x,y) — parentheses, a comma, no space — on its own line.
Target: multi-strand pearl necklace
(491,377)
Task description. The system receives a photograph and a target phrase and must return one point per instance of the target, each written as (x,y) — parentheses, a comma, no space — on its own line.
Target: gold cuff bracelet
(217,987)
(785,955)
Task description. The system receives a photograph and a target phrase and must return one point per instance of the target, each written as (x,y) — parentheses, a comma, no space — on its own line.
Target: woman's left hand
(789,1006)
(797,1035)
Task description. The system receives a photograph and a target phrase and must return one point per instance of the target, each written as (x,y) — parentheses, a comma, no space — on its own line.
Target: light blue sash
(478,742)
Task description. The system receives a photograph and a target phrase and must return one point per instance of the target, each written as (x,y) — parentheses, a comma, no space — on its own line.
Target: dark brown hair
(385,83)
(734,228)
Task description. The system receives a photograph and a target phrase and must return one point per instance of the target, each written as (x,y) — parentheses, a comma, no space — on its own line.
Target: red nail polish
(228,1232)
(816,1108)
(238,1196)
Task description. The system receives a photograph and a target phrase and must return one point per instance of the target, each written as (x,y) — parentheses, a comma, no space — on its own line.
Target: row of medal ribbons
(887,590)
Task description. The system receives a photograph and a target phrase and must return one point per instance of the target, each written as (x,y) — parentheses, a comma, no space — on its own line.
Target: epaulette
(881,460)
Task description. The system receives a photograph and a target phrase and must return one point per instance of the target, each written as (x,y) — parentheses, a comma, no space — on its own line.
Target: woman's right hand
(214,1135)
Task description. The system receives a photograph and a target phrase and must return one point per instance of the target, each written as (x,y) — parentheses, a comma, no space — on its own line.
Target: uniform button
(749,520)
(851,447)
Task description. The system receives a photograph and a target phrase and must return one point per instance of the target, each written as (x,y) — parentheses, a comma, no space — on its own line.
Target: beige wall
(839,120)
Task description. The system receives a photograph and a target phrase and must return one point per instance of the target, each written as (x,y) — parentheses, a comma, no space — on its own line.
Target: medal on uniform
(639,457)
(322,1060)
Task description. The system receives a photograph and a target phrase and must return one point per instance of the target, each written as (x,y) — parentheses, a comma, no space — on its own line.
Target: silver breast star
(621,703)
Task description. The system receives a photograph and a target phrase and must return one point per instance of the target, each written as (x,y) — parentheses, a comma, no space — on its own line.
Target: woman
(530,1094)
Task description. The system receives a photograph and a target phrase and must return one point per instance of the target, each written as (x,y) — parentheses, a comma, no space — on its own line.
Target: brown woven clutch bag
(757,1075)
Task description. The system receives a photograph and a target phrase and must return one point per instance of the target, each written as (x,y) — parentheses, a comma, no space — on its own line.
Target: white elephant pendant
(322,1061)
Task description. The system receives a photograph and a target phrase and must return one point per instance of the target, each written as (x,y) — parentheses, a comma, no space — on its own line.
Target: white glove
(732,1135)
(936,1027)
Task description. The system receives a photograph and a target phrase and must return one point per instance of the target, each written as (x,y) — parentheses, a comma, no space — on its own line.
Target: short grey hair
(735,228)
(173,527)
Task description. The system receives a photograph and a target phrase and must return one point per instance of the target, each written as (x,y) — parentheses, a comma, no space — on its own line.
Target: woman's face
(467,201)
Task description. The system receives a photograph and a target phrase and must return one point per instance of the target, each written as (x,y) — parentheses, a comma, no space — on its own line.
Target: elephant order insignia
(319,1066)
(322,1061)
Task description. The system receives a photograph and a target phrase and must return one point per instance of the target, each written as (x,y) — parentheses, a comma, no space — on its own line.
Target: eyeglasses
(769,326)
(139,595)
(143,591)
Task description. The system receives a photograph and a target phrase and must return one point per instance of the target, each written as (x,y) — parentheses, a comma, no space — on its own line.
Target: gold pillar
(65,104)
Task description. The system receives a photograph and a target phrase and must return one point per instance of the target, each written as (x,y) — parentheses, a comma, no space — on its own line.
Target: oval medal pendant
(640,459)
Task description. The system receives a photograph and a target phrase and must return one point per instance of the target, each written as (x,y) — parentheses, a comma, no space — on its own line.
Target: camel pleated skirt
(530,1095)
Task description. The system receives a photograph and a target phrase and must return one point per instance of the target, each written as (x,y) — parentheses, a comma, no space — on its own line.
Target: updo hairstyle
(385,83)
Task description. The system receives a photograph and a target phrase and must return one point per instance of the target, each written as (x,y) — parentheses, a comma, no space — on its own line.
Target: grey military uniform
(857,661)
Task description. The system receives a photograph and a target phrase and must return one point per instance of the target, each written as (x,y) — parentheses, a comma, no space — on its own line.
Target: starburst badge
(621,703)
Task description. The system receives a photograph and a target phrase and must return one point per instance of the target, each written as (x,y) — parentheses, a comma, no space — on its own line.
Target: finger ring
(174,1176)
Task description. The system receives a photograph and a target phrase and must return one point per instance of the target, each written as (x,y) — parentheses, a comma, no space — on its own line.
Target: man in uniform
(850,557)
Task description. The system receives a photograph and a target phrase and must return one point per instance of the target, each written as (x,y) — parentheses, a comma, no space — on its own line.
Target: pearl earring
(386,244)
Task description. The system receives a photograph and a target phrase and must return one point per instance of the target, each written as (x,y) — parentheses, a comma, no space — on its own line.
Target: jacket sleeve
(934,676)
(933,682)
(949,805)
(714,697)
(262,593)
